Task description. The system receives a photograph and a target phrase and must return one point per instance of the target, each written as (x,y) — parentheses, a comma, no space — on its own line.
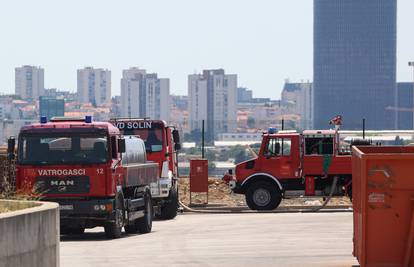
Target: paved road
(267,239)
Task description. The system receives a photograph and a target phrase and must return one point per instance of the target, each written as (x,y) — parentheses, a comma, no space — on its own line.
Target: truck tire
(114,229)
(349,192)
(77,231)
(64,230)
(144,224)
(170,208)
(131,228)
(263,196)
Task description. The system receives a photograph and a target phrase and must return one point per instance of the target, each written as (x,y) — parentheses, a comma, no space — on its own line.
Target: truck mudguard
(263,174)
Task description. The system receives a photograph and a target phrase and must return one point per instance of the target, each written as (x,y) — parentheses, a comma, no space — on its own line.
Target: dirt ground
(220,195)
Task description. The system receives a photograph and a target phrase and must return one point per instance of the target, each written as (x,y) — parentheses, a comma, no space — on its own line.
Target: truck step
(134,204)
(133,215)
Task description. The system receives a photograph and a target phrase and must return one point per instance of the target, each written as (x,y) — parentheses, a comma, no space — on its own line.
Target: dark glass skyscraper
(355,62)
(404,105)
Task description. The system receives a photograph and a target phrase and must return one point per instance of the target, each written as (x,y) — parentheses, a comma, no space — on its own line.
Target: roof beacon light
(271,130)
(88,119)
(43,119)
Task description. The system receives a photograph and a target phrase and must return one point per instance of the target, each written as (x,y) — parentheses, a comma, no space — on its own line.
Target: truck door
(280,160)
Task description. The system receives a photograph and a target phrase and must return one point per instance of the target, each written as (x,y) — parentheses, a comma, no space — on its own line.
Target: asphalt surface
(254,239)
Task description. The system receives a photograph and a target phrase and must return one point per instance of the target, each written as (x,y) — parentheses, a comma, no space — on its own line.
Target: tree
(290,125)
(224,155)
(193,151)
(240,156)
(398,141)
(256,147)
(251,122)
(210,155)
(193,136)
(239,153)
(211,166)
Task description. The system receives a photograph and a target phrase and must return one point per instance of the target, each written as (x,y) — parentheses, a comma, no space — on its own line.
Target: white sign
(62,172)
(376,198)
(130,125)
(66,207)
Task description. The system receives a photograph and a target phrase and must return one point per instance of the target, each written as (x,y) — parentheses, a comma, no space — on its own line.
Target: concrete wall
(29,234)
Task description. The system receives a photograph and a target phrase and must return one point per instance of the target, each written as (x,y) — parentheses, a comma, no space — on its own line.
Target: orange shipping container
(383,203)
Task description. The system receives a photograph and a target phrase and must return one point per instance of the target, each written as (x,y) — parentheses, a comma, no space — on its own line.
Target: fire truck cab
(292,164)
(162,143)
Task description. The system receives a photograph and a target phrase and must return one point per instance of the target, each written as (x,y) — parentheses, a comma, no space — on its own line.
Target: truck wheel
(169,209)
(131,228)
(144,224)
(114,229)
(77,230)
(349,192)
(64,230)
(263,196)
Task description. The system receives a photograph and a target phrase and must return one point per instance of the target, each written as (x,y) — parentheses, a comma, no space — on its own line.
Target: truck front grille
(62,185)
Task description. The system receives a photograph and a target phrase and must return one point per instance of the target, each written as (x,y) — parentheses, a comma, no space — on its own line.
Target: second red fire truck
(311,163)
(162,143)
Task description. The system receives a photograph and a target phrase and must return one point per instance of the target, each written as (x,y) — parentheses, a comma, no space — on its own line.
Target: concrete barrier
(29,234)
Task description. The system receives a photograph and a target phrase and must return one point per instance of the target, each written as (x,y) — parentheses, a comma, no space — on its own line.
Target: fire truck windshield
(60,149)
(153,138)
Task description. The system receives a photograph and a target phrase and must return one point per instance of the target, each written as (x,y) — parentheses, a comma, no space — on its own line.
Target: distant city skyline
(263,44)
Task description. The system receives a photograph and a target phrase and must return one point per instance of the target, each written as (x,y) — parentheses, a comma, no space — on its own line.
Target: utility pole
(411,64)
(202,139)
(363,128)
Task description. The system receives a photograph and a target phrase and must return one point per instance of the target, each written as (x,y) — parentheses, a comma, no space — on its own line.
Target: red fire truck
(162,143)
(98,177)
(311,163)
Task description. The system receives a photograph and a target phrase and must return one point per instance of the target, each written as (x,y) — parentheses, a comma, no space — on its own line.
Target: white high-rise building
(29,82)
(144,95)
(301,96)
(197,100)
(213,98)
(94,86)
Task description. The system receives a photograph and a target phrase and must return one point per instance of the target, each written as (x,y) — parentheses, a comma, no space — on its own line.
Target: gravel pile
(220,195)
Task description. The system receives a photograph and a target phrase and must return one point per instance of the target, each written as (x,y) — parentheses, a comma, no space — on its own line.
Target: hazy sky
(264,42)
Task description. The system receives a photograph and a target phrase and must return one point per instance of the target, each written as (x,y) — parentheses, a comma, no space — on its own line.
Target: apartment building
(94,86)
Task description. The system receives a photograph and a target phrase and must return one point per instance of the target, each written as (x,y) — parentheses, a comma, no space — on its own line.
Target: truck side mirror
(11,143)
(176,136)
(121,145)
(114,149)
